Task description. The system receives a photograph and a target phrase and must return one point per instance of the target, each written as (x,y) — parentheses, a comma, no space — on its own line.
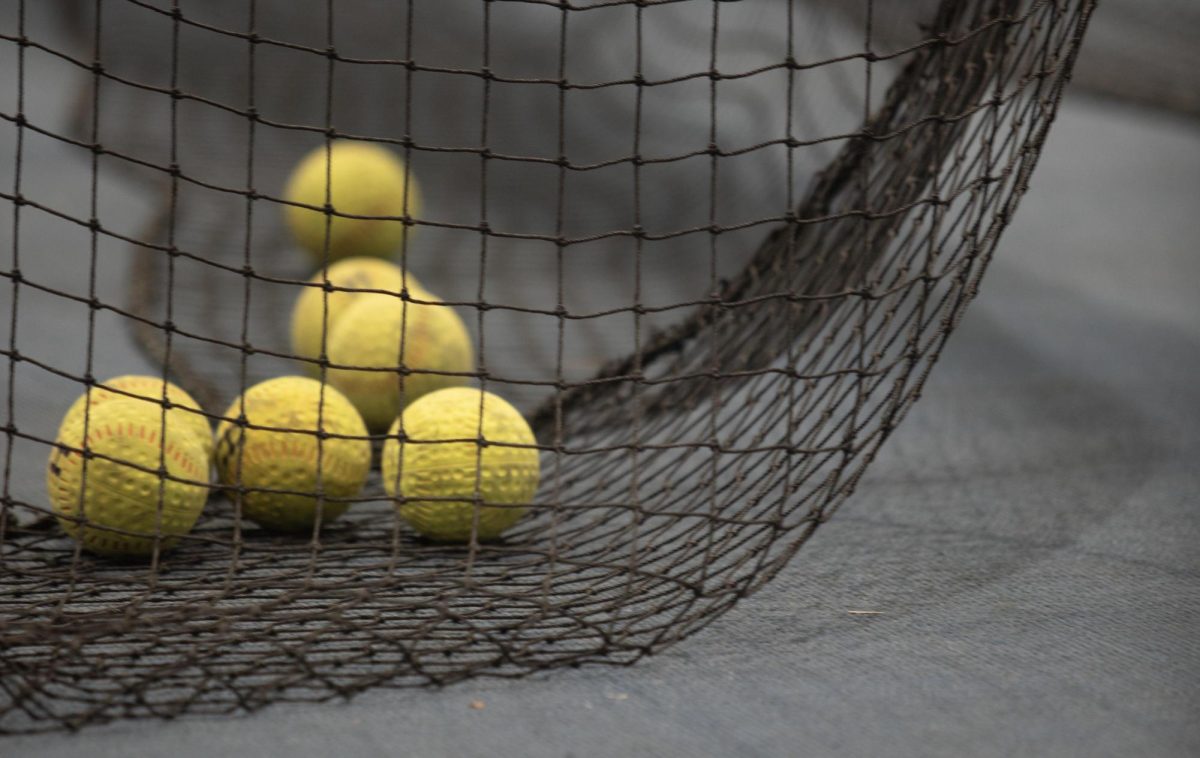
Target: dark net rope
(714,289)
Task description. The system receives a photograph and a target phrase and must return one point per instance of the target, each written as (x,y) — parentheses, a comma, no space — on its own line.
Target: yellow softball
(123,509)
(384,333)
(314,306)
(185,411)
(426,466)
(358,179)
(279,465)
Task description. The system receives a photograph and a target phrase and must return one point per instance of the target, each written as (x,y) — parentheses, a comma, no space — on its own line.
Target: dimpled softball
(191,419)
(287,460)
(314,304)
(421,467)
(368,335)
(121,497)
(364,180)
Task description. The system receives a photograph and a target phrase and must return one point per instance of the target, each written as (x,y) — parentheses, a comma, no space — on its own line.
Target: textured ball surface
(191,420)
(314,305)
(118,496)
(264,459)
(363,179)
(369,335)
(421,467)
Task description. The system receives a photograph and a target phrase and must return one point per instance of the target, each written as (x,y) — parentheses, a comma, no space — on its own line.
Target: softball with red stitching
(449,486)
(184,409)
(369,189)
(291,477)
(316,311)
(387,353)
(117,502)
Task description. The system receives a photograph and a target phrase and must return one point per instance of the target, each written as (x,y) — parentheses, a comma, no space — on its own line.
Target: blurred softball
(383,332)
(426,466)
(358,179)
(185,414)
(315,306)
(120,506)
(285,457)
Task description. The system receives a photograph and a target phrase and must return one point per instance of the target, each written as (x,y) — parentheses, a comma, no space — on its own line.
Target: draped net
(710,249)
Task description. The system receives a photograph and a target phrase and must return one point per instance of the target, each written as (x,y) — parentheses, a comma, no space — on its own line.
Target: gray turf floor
(1028,538)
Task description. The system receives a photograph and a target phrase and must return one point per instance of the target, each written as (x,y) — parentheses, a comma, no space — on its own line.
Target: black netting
(710,249)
